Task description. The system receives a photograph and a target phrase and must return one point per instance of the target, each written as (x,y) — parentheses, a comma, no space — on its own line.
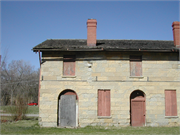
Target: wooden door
(68,111)
(138,111)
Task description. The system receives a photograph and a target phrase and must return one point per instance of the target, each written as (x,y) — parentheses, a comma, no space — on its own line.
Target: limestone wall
(109,70)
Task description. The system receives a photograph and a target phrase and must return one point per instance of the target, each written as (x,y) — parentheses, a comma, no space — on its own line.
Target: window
(135,65)
(170,103)
(103,102)
(69,65)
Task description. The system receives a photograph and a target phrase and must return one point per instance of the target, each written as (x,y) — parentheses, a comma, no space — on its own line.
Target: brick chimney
(91,32)
(176,33)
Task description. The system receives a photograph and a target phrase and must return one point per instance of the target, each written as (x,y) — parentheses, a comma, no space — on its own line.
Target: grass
(32,127)
(31,109)
(10,118)
(6,118)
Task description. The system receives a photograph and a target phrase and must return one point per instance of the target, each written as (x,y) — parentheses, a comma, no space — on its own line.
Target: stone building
(109,82)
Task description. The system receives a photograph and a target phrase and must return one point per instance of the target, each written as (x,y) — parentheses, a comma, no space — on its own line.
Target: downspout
(39,76)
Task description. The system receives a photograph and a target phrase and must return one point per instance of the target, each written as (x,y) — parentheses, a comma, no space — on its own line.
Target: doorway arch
(68,108)
(137,108)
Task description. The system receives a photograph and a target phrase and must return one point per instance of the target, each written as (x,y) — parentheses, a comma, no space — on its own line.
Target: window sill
(104,117)
(140,77)
(68,76)
(171,117)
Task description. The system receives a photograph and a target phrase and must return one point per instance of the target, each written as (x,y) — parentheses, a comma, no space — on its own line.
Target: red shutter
(107,103)
(69,65)
(135,65)
(170,103)
(100,102)
(103,102)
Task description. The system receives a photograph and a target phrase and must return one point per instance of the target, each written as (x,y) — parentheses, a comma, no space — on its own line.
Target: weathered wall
(110,70)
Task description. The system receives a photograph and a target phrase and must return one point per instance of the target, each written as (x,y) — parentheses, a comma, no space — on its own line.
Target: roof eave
(109,49)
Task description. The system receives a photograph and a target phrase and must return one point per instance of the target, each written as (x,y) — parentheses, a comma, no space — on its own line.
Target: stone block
(48,124)
(110,69)
(108,120)
(50,78)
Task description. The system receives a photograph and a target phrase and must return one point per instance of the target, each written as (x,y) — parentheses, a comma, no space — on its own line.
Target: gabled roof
(105,45)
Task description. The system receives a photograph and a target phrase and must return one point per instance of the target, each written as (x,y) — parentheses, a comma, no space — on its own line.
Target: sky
(25,24)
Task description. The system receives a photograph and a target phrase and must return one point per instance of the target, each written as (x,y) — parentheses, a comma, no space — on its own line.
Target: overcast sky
(27,24)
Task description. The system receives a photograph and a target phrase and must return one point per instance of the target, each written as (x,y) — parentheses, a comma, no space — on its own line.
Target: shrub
(19,110)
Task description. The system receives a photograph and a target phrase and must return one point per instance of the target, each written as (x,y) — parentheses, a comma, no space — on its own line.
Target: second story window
(135,66)
(69,65)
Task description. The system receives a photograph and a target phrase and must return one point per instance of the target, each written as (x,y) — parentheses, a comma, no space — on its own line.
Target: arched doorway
(68,109)
(137,108)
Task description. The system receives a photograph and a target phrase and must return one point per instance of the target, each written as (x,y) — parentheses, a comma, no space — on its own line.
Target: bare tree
(19,78)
